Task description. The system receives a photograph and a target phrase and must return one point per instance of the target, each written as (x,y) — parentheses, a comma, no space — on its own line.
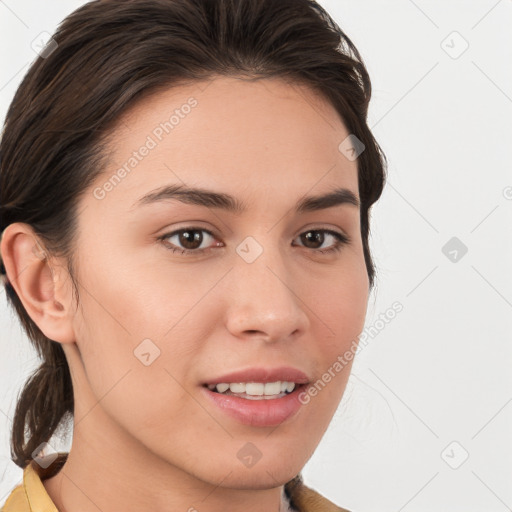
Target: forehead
(230,132)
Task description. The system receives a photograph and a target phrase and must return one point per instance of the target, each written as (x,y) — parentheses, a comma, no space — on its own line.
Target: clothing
(31,495)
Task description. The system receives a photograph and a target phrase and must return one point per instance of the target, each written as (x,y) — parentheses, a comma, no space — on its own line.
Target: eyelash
(341,240)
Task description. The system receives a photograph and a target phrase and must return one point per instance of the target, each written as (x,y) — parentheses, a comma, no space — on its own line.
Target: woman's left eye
(192,238)
(319,235)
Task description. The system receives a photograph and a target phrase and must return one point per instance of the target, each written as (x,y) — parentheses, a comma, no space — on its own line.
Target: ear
(44,290)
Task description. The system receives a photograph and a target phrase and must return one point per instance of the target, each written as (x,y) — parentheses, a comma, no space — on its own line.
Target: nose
(266,298)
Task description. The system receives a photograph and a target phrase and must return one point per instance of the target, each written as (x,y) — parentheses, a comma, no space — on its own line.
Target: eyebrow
(211,199)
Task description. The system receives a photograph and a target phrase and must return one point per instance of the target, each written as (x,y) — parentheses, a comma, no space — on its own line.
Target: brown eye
(188,239)
(315,238)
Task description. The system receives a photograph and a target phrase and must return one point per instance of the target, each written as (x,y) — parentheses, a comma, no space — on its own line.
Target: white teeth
(272,388)
(255,388)
(268,389)
(237,387)
(222,387)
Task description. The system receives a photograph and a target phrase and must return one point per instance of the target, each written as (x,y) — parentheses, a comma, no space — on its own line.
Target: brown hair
(106,55)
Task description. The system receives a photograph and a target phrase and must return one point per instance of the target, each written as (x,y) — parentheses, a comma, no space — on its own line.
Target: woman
(185,197)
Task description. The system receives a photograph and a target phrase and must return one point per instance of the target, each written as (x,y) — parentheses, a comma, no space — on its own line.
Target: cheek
(134,336)
(339,302)
(339,310)
(134,374)
(342,310)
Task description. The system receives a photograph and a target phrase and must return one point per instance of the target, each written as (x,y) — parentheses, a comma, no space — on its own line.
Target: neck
(106,476)
(108,468)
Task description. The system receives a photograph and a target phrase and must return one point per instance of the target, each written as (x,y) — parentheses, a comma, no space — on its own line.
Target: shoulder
(16,501)
(305,499)
(31,495)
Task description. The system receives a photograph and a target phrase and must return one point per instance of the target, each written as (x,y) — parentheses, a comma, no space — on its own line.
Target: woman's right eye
(191,237)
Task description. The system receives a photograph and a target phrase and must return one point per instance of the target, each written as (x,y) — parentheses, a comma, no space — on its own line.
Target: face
(178,291)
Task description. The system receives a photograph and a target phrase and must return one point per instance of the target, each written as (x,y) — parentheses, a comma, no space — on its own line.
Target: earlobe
(42,288)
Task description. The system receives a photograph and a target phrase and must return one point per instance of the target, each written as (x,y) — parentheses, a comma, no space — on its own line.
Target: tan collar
(305,499)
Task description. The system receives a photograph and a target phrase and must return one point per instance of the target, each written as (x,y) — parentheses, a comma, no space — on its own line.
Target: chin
(258,479)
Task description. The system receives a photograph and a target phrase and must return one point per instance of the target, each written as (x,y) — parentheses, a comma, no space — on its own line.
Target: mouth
(257,404)
(255,390)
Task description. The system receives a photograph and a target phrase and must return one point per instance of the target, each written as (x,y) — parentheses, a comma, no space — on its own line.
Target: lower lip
(258,413)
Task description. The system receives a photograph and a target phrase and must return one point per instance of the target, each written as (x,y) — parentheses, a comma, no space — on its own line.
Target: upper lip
(283,373)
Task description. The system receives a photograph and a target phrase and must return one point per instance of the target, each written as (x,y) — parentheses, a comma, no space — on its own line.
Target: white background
(439,374)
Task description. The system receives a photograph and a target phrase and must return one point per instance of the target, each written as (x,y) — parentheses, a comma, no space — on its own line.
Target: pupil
(317,237)
(189,241)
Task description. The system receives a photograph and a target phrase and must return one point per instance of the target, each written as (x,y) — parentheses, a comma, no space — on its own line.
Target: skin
(145,438)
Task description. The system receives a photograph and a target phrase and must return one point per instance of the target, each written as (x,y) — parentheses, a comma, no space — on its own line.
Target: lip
(282,373)
(257,413)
